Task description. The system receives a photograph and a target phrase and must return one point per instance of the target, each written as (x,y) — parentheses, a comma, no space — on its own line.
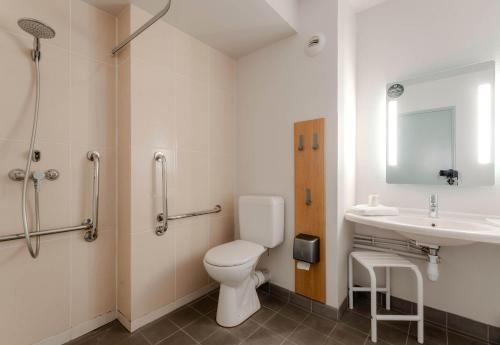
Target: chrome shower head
(36,28)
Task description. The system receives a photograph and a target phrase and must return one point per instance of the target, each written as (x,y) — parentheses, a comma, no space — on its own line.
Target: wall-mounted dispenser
(306,248)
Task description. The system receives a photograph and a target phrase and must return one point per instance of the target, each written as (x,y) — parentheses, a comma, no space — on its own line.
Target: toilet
(262,221)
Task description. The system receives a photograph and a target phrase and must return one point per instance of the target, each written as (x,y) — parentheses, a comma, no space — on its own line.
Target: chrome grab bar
(142,28)
(89,224)
(216,209)
(91,234)
(162,228)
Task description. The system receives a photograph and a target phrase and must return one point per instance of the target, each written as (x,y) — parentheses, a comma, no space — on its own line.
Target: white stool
(371,260)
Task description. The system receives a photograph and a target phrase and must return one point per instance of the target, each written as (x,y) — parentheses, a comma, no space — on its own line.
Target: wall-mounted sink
(450,229)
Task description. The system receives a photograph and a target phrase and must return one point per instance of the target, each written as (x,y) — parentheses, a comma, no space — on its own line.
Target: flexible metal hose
(27,174)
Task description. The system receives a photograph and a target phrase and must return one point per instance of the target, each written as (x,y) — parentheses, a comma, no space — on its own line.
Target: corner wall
(277,86)
(400,39)
(180,98)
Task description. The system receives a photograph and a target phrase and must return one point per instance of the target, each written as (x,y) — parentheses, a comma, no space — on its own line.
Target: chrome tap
(433,206)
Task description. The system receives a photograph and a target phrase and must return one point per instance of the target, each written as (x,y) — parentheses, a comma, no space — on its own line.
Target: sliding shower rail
(89,224)
(139,31)
(163,227)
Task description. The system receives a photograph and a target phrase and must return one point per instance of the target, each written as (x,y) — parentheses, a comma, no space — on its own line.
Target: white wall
(405,38)
(277,86)
(288,10)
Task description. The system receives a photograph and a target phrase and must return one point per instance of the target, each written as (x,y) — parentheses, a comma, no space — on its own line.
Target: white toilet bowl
(233,266)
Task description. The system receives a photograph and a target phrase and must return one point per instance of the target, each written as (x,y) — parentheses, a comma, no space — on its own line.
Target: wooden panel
(310,219)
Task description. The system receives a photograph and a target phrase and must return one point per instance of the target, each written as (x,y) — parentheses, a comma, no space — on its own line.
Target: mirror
(440,128)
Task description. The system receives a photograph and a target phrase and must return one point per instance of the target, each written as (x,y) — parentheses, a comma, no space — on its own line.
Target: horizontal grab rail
(89,224)
(216,209)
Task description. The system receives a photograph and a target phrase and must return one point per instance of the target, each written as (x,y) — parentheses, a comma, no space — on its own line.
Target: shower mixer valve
(37,176)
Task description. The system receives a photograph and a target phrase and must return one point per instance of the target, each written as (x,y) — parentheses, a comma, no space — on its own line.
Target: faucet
(433,206)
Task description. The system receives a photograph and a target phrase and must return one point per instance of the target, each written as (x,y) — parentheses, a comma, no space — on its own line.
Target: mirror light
(392,133)
(484,123)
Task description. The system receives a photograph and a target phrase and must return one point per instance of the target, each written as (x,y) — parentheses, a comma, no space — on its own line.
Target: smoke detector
(315,44)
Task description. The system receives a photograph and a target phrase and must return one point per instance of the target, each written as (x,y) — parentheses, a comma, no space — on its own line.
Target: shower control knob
(16,174)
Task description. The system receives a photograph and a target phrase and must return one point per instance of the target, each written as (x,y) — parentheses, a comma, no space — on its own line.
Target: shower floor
(277,323)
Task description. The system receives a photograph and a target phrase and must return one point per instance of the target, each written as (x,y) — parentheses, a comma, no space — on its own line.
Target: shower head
(36,28)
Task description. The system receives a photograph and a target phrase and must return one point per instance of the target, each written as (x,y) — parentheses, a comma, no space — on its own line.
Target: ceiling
(252,24)
(361,5)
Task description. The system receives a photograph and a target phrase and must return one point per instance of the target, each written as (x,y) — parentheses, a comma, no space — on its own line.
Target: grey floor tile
(158,330)
(467,326)
(304,335)
(347,335)
(244,330)
(178,338)
(320,324)
(494,335)
(433,335)
(221,337)
(403,326)
(281,325)
(202,328)
(271,302)
(263,336)
(331,341)
(214,294)
(183,316)
(204,305)
(114,334)
(84,341)
(136,339)
(301,301)
(263,315)
(295,313)
(391,334)
(357,321)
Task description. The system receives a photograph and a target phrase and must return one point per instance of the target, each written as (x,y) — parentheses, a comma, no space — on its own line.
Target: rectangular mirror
(440,128)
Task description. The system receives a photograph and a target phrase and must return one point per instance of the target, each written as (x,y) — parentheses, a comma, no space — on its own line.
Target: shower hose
(27,174)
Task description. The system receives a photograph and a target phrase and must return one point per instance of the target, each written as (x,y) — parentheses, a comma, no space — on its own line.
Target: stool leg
(373,295)
(388,287)
(420,306)
(351,294)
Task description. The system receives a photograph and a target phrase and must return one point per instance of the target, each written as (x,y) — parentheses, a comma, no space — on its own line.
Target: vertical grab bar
(91,235)
(162,217)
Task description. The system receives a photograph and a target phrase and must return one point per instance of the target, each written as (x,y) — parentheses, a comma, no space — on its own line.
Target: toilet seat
(236,253)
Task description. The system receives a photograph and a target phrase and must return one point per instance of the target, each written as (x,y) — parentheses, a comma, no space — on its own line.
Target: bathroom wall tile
(146,189)
(92,32)
(156,46)
(93,276)
(192,114)
(153,271)
(35,287)
(222,182)
(192,58)
(192,182)
(92,103)
(221,230)
(18,92)
(82,171)
(152,103)
(222,122)
(222,71)
(55,13)
(191,244)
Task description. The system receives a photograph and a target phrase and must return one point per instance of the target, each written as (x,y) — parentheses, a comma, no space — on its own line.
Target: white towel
(380,210)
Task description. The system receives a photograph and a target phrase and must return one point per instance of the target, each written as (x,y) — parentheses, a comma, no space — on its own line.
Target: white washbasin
(450,229)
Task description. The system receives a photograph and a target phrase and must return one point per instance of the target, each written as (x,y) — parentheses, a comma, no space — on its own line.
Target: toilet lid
(234,253)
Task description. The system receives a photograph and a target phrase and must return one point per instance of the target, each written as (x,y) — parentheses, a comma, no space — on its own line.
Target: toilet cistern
(433,206)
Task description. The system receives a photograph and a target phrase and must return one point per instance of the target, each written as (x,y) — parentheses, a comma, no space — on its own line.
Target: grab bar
(216,209)
(89,224)
(142,28)
(162,228)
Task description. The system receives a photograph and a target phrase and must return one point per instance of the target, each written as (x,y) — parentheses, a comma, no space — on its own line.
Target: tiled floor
(276,323)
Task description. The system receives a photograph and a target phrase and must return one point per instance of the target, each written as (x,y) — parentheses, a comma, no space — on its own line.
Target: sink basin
(449,230)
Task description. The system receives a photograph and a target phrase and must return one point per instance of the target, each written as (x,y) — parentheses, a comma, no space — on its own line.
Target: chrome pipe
(394,251)
(216,209)
(20,236)
(162,228)
(92,234)
(139,31)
